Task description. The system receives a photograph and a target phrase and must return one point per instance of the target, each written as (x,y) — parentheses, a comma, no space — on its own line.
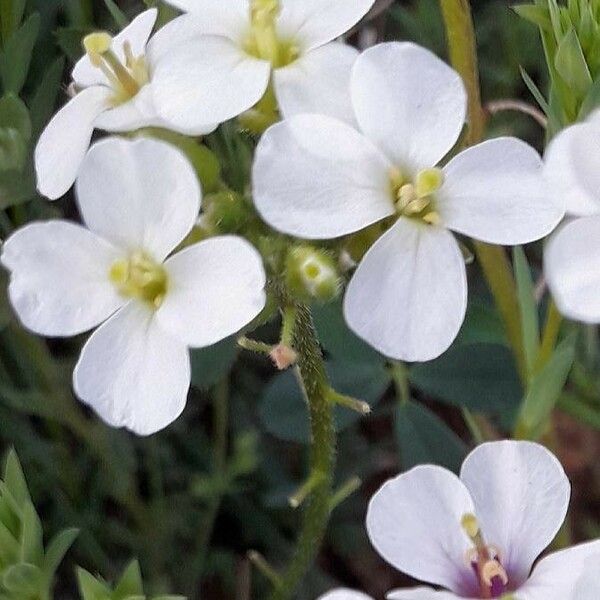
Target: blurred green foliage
(191,502)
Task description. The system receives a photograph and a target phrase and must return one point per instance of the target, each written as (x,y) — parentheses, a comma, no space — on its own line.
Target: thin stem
(550,336)
(462,45)
(499,106)
(401,382)
(312,374)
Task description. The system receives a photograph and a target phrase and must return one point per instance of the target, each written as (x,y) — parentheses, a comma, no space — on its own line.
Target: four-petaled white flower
(572,256)
(139,200)
(235,48)
(479,535)
(114,83)
(316,177)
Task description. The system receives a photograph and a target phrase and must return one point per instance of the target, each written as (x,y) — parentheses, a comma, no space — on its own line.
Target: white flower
(345,594)
(316,177)
(479,536)
(572,256)
(237,47)
(139,200)
(114,81)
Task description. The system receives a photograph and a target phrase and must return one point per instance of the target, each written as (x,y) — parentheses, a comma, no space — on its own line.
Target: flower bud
(227,211)
(311,274)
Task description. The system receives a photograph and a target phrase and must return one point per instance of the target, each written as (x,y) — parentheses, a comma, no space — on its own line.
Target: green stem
(550,336)
(311,369)
(462,45)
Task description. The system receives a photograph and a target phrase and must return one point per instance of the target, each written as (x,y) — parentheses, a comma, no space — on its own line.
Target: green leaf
(283,410)
(57,548)
(46,94)
(546,387)
(16,187)
(482,325)
(210,365)
(13,150)
(116,13)
(15,115)
(14,479)
(571,65)
(15,60)
(538,15)
(528,307)
(130,583)
(91,588)
(70,40)
(423,437)
(11,14)
(32,543)
(23,579)
(338,340)
(481,377)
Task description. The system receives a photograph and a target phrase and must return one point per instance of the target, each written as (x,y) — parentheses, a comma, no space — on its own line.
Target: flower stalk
(462,46)
(311,370)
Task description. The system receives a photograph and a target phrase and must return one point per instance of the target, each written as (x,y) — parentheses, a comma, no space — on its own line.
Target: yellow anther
(470,524)
(429,181)
(140,277)
(432,218)
(97,44)
(492,569)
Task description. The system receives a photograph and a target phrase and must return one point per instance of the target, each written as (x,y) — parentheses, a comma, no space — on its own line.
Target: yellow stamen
(416,200)
(429,181)
(492,569)
(470,524)
(140,277)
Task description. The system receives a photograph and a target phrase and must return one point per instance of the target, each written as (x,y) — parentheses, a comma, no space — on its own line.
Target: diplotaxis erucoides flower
(113,84)
(238,47)
(479,535)
(316,177)
(572,256)
(138,200)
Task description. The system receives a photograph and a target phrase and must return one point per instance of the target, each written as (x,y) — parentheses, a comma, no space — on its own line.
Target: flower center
(485,561)
(140,277)
(263,41)
(125,79)
(416,200)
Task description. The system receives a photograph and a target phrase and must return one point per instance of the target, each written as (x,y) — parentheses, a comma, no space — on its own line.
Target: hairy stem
(311,370)
(496,267)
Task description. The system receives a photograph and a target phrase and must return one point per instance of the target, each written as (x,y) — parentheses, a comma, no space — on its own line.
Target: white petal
(136,33)
(570,574)
(495,192)
(319,82)
(230,18)
(521,496)
(140,195)
(421,593)
(132,373)
(408,296)
(316,177)
(140,112)
(216,287)
(206,80)
(345,594)
(572,268)
(572,166)
(313,23)
(59,282)
(65,141)
(409,102)
(175,32)
(414,522)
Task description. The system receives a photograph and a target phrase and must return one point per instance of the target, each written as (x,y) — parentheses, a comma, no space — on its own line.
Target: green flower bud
(312,274)
(226,211)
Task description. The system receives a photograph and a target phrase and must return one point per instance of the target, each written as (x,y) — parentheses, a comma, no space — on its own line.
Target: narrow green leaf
(57,548)
(91,588)
(571,65)
(527,306)
(116,13)
(538,15)
(546,388)
(15,115)
(23,580)
(14,479)
(130,583)
(32,543)
(46,94)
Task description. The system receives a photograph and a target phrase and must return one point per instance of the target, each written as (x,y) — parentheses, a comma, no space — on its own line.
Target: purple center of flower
(485,562)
